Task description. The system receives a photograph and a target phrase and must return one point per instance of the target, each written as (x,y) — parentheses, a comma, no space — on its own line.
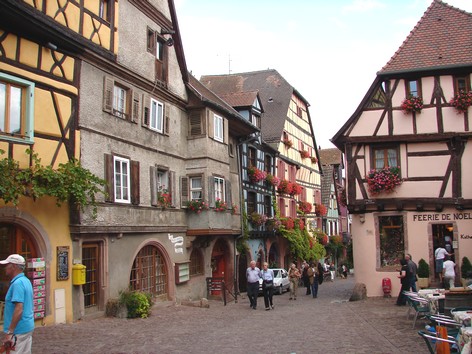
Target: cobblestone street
(328,324)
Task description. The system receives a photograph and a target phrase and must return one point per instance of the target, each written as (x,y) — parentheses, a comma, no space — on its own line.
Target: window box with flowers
(304,154)
(257,219)
(234,209)
(272,180)
(314,159)
(220,206)
(197,206)
(288,143)
(461,101)
(164,199)
(256,175)
(320,210)
(383,180)
(285,187)
(412,104)
(304,207)
(296,189)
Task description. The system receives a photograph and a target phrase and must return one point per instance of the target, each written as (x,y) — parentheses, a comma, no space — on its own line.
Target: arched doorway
(15,239)
(219,263)
(149,272)
(273,259)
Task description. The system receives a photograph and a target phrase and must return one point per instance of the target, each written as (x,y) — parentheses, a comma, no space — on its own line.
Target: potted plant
(423,274)
(256,175)
(466,271)
(304,154)
(412,104)
(461,101)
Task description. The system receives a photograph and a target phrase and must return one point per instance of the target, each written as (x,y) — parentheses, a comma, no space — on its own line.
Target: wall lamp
(170,40)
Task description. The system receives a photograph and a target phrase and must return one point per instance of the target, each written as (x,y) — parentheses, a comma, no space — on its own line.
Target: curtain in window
(392,157)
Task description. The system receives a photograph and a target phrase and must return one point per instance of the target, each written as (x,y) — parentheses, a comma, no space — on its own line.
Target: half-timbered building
(286,127)
(408,151)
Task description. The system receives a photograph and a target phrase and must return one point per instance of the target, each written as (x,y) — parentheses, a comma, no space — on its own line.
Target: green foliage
(241,243)
(423,269)
(138,303)
(70,182)
(302,245)
(466,268)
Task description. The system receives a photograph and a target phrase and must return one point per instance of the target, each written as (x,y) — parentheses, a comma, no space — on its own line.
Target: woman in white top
(449,273)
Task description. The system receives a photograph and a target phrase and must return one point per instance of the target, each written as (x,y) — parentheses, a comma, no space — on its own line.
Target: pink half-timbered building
(408,152)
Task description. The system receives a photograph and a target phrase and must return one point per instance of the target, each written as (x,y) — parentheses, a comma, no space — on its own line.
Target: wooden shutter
(135,182)
(211,124)
(228,200)
(184,192)
(225,130)
(108,84)
(195,123)
(172,188)
(166,118)
(109,178)
(151,41)
(159,70)
(152,183)
(146,110)
(211,191)
(135,107)
(281,169)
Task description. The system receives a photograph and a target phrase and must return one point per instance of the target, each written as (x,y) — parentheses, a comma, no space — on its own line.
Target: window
(120,100)
(104,10)
(251,203)
(196,263)
(162,180)
(385,157)
(268,205)
(251,157)
(461,83)
(268,163)
(121,184)
(391,240)
(196,188)
(413,88)
(218,126)
(162,186)
(219,185)
(16,108)
(149,273)
(122,176)
(156,46)
(157,116)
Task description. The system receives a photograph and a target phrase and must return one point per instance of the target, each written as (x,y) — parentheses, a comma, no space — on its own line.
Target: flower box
(383,180)
(288,143)
(164,199)
(304,154)
(197,206)
(296,189)
(273,180)
(256,175)
(320,210)
(314,160)
(461,101)
(257,219)
(285,187)
(305,207)
(220,206)
(412,104)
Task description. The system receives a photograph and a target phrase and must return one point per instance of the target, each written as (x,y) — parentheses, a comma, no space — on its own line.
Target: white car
(281,282)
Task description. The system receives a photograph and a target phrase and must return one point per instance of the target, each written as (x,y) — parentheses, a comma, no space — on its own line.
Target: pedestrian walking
(306,279)
(253,274)
(294,276)
(18,319)
(439,254)
(404,277)
(268,286)
(413,268)
(313,276)
(332,270)
(449,273)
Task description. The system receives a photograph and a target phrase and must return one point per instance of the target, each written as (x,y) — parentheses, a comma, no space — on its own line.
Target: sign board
(62,262)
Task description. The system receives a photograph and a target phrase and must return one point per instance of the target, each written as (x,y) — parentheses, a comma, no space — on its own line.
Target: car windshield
(276,273)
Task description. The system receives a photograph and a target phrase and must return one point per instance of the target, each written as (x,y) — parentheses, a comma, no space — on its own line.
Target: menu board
(62,262)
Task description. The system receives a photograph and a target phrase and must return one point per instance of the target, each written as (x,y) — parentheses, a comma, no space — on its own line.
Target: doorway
(90,259)
(443,236)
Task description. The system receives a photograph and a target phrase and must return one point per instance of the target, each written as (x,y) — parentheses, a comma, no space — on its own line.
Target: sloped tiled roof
(274,90)
(326,181)
(441,38)
(330,156)
(210,98)
(240,99)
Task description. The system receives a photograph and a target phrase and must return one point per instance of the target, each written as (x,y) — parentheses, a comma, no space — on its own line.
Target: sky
(328,50)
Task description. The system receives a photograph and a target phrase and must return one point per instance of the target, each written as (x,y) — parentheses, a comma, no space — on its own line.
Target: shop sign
(442,217)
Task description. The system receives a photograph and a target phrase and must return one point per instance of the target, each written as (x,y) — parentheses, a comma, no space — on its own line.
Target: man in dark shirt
(412,268)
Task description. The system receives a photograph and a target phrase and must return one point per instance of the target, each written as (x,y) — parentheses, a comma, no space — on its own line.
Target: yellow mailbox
(78,274)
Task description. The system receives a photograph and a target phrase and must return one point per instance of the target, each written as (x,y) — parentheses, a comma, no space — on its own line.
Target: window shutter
(151,43)
(282,207)
(166,118)
(172,188)
(211,124)
(228,200)
(136,107)
(146,110)
(211,191)
(152,175)
(225,131)
(109,178)
(159,70)
(108,84)
(195,123)
(184,192)
(135,182)
(281,170)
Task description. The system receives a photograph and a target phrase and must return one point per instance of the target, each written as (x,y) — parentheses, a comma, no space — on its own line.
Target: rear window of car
(276,273)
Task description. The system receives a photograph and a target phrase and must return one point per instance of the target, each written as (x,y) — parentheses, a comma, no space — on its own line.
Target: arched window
(149,273)
(196,263)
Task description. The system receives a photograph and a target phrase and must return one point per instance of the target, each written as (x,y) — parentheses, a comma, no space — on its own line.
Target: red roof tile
(442,38)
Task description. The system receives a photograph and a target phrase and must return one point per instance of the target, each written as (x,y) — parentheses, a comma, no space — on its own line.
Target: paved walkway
(328,324)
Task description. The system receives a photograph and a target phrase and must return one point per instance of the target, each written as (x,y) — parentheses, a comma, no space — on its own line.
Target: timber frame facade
(429,148)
